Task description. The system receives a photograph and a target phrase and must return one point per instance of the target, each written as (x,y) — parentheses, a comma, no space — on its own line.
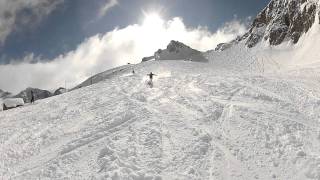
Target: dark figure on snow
(32,97)
(150,83)
(151,76)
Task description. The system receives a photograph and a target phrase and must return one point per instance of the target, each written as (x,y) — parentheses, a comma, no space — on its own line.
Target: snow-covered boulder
(12,103)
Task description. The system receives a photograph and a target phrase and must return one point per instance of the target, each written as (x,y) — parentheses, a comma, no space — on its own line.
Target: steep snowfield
(200,121)
(106,75)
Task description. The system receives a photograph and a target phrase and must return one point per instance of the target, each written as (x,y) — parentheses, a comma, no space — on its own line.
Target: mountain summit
(179,51)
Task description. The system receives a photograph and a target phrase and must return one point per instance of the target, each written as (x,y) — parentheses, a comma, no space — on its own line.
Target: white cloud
(12,17)
(107,6)
(111,49)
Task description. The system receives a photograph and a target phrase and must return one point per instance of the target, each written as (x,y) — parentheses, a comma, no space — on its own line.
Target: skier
(150,83)
(32,97)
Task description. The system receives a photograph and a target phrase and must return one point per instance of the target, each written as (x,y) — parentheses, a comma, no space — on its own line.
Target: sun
(152,31)
(152,20)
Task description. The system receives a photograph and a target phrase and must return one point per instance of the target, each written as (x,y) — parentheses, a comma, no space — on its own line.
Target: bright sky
(56,40)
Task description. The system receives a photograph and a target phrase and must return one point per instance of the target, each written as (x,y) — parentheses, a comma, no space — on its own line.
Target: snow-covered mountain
(284,35)
(179,51)
(281,21)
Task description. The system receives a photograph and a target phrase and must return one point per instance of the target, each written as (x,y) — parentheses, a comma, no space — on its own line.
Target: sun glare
(152,31)
(153,20)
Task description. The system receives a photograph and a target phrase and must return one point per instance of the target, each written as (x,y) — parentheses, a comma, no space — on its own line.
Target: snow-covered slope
(198,122)
(106,75)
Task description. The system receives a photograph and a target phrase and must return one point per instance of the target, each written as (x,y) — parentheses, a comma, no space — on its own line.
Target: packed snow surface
(197,122)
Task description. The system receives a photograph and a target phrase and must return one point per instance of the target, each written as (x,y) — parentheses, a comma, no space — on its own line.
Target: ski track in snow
(197,122)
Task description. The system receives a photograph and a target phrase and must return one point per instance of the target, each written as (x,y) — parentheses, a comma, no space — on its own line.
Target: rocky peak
(179,51)
(174,46)
(282,20)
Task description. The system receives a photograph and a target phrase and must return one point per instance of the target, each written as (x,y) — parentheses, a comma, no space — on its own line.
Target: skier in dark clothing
(150,83)
(32,97)
(151,76)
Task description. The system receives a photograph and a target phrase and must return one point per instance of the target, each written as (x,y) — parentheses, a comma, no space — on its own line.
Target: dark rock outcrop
(38,93)
(59,91)
(145,59)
